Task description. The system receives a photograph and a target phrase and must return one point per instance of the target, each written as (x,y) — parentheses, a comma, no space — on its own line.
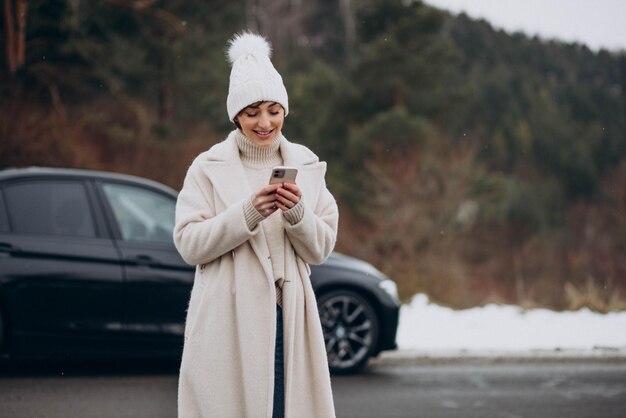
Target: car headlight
(389,286)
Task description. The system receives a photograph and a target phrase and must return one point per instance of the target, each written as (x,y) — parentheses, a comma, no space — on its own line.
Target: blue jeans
(279,374)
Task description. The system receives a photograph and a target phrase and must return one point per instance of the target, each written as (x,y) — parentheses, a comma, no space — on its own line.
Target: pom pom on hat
(253,78)
(247,43)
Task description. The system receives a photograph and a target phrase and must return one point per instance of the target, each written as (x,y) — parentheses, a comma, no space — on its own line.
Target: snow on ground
(429,328)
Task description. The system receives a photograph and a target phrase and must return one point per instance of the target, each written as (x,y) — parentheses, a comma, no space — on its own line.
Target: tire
(350,327)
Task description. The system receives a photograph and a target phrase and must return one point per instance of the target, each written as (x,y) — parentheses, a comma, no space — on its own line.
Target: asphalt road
(432,388)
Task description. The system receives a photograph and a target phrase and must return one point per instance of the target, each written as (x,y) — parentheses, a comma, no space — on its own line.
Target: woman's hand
(264,199)
(287,196)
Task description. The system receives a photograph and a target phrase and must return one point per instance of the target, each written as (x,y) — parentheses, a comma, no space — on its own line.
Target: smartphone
(282,174)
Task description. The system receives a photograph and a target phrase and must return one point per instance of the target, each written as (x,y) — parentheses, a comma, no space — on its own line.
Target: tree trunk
(75,19)
(9,36)
(520,281)
(349,28)
(21,6)
(14,12)
(166,91)
(281,21)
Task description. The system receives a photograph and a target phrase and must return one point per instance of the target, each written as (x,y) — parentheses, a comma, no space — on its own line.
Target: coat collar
(224,169)
(222,165)
(293,154)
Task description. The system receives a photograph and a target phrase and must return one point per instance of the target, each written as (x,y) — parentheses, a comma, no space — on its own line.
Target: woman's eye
(251,115)
(274,113)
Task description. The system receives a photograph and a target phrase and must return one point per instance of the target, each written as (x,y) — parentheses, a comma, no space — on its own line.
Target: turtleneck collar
(253,155)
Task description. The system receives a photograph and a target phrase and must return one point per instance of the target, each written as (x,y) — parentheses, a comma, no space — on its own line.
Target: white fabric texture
(253,77)
(258,163)
(227,369)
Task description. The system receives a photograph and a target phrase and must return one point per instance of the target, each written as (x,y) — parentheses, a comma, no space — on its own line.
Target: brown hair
(255,105)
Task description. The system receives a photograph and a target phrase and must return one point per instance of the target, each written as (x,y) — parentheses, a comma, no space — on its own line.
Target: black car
(88,269)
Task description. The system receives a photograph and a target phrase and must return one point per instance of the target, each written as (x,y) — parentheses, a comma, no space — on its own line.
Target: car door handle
(142,260)
(7,248)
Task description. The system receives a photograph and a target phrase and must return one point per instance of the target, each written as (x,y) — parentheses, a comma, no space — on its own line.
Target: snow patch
(427,327)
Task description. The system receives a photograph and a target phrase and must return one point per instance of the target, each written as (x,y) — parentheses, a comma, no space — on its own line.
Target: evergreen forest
(470,164)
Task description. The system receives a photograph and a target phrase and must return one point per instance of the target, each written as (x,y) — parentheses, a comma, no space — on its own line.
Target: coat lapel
(311,171)
(226,173)
(224,169)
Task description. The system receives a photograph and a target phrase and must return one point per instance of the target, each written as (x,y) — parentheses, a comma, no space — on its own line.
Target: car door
(60,275)
(157,280)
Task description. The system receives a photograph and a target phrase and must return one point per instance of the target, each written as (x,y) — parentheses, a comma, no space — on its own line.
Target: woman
(253,341)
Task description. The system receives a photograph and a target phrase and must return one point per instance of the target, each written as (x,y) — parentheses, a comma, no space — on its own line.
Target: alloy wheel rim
(347,331)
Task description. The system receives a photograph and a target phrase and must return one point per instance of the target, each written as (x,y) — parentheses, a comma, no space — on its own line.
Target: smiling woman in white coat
(253,339)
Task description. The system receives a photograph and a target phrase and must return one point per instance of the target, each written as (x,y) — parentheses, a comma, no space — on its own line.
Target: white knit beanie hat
(253,77)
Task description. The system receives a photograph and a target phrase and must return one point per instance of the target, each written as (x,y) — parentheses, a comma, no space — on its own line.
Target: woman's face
(262,122)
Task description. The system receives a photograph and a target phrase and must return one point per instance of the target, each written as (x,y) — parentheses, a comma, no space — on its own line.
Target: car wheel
(350,327)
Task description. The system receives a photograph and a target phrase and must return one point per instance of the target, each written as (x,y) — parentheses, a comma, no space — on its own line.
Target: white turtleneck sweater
(258,163)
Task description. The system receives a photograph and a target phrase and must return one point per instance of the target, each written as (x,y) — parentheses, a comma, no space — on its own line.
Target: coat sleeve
(313,238)
(200,234)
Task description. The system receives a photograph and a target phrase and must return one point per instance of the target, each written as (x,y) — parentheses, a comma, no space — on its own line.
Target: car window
(4,222)
(141,214)
(50,208)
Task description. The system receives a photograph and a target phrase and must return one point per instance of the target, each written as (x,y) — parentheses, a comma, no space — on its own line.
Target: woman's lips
(264,134)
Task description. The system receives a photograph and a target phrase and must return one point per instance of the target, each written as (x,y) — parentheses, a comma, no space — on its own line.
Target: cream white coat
(227,368)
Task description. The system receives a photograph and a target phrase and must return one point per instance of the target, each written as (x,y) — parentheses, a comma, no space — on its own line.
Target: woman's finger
(293,188)
(291,195)
(285,203)
(284,207)
(263,199)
